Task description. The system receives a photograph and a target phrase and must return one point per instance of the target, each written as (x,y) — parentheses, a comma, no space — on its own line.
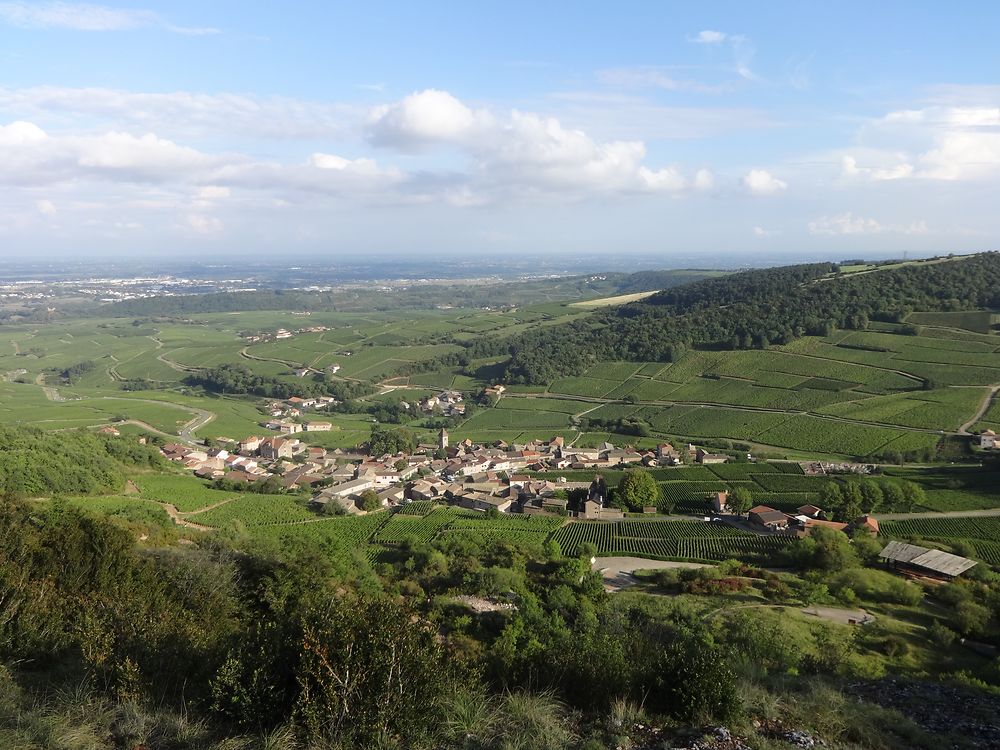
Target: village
(500,477)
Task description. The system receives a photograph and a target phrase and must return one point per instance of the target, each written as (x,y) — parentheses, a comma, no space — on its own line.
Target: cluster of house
(475,476)
(800,523)
(282,411)
(281,333)
(448,403)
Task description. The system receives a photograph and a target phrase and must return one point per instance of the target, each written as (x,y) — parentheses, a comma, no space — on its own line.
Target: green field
(858,393)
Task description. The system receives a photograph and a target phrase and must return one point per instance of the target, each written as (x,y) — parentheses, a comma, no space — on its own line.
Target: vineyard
(255,510)
(983,534)
(987,529)
(669,539)
(378,532)
(185,492)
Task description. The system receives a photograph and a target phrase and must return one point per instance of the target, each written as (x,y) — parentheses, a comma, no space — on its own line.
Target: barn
(923,561)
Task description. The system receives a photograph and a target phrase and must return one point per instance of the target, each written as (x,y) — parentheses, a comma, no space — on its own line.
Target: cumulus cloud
(849,224)
(425,118)
(762,182)
(762,232)
(523,149)
(850,168)
(31,156)
(46,207)
(87,17)
(960,142)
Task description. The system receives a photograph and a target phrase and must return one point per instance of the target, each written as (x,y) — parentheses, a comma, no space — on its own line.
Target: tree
(913,495)
(831,498)
(825,549)
(637,489)
(739,501)
(893,496)
(370,501)
(853,500)
(871,496)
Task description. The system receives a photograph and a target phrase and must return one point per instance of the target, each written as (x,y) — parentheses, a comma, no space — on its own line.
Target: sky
(290,130)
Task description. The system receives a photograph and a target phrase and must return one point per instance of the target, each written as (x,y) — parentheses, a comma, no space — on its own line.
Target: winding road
(984,407)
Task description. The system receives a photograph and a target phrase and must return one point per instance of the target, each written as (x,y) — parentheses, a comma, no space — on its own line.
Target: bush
(971,618)
(876,586)
(941,634)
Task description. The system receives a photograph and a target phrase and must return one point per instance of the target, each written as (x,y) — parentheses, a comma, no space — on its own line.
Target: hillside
(33,462)
(752,310)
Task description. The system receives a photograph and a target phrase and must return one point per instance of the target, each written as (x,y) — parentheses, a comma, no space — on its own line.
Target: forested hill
(753,309)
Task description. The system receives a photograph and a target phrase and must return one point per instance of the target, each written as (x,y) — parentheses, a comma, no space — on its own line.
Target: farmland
(852,393)
(891,392)
(689,540)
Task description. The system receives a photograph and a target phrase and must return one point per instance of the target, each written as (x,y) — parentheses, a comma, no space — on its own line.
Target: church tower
(443,440)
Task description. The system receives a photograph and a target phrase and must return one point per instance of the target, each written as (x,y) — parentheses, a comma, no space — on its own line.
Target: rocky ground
(972,715)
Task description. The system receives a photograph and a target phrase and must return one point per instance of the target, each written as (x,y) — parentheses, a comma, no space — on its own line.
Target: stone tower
(443,440)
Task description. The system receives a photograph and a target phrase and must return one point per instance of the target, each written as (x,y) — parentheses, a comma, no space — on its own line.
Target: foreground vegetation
(195,646)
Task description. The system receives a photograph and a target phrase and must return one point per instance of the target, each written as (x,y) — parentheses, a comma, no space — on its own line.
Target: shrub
(941,634)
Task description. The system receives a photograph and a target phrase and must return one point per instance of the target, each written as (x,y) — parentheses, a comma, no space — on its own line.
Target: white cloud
(954,143)
(423,118)
(203,224)
(850,168)
(522,150)
(213,192)
(762,232)
(704,180)
(86,17)
(710,37)
(46,207)
(30,157)
(181,113)
(762,182)
(849,224)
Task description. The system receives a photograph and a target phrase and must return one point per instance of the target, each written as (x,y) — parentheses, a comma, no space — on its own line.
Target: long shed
(925,561)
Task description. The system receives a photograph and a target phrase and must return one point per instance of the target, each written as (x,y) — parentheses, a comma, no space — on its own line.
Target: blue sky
(745,129)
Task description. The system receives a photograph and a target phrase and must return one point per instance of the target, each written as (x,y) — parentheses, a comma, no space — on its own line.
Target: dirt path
(213,506)
(830,614)
(52,394)
(244,353)
(177,519)
(983,408)
(617,571)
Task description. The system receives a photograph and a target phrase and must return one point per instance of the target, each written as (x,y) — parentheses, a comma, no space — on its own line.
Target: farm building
(987,439)
(768,518)
(910,558)
(719,500)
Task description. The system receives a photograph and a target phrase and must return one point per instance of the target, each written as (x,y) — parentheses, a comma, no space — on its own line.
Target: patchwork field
(877,392)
